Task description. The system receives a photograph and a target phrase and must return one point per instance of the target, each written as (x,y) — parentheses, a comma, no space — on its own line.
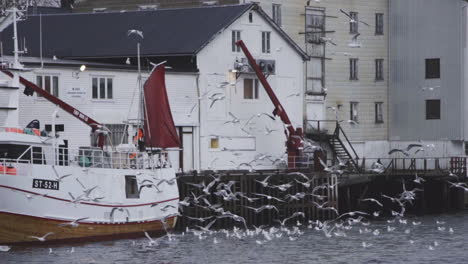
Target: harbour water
(426,239)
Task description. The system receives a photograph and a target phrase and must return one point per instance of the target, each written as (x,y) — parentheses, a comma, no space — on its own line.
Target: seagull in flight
(352,20)
(43,238)
(265,207)
(74,223)
(398,151)
(354,42)
(135,32)
(59,178)
(373,200)
(268,197)
(234,120)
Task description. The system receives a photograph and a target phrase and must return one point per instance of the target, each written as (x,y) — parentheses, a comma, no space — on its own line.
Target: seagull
(148,186)
(329,40)
(59,178)
(5,248)
(365,245)
(293,94)
(199,219)
(216,97)
(296,214)
(320,206)
(135,32)
(268,131)
(43,238)
(351,122)
(373,200)
(74,223)
(268,197)
(121,209)
(207,227)
(354,42)
(151,240)
(165,208)
(461,185)
(192,109)
(410,146)
(398,150)
(260,209)
(352,19)
(235,119)
(305,184)
(418,179)
(264,183)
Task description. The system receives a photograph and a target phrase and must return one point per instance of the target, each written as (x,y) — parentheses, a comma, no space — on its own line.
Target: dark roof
(167,32)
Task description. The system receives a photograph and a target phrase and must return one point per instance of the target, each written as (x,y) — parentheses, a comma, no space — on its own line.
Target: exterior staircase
(338,142)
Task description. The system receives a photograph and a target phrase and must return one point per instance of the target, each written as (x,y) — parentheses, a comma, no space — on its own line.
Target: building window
(131,187)
(432,68)
(266,42)
(379,24)
(250,89)
(236,36)
(353,69)
(250,17)
(49,83)
(102,88)
(379,76)
(353,22)
(353,111)
(379,113)
(432,109)
(214,143)
(277,14)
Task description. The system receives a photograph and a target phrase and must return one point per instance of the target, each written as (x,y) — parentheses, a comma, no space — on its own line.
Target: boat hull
(105,212)
(18,229)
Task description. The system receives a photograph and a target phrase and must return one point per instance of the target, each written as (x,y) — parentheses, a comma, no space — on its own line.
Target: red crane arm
(279,110)
(66,107)
(294,143)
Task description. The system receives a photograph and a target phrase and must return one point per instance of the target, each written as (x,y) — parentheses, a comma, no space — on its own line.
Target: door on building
(187,154)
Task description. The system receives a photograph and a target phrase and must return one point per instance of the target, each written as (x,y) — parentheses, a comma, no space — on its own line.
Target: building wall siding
(340,90)
(287,82)
(420,30)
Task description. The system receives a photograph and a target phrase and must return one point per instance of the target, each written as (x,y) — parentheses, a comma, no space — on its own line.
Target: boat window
(38,156)
(131,187)
(11,151)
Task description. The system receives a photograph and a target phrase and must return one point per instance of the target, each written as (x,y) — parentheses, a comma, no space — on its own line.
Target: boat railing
(97,158)
(89,157)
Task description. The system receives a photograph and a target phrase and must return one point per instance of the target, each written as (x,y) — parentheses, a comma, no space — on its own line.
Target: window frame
(102,80)
(379,70)
(276,14)
(54,83)
(379,118)
(428,67)
(266,42)
(235,36)
(128,186)
(354,105)
(430,114)
(353,69)
(354,26)
(255,89)
(379,24)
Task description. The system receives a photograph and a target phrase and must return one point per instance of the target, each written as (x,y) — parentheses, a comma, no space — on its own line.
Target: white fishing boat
(51,193)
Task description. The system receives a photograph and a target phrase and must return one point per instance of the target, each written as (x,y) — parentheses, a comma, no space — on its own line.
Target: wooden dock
(345,195)
(246,183)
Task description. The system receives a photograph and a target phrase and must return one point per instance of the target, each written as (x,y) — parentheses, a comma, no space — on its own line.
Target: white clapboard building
(217,102)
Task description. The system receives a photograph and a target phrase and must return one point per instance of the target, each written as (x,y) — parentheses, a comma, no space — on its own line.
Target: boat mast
(12,119)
